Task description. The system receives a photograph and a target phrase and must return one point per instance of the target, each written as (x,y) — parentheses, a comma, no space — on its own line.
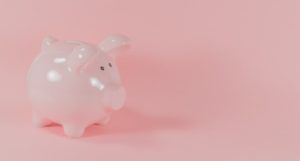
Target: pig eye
(109,64)
(102,67)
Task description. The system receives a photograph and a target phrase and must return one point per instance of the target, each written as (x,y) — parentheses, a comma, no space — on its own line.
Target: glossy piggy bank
(76,84)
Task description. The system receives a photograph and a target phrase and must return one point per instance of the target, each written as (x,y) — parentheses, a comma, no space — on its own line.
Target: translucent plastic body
(76,84)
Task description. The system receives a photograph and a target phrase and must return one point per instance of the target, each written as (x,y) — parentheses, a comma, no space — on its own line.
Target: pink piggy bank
(76,84)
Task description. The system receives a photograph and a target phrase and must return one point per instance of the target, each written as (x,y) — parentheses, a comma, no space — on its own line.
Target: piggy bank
(76,84)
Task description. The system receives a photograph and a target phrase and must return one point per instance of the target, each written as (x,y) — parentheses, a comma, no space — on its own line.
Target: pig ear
(47,42)
(79,57)
(114,42)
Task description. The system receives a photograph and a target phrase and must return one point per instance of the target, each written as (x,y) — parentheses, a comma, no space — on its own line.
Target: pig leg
(39,121)
(73,131)
(104,120)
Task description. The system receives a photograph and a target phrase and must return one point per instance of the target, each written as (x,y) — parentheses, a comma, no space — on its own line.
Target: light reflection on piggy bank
(76,84)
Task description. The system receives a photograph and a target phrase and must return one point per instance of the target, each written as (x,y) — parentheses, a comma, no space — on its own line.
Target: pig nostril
(102,67)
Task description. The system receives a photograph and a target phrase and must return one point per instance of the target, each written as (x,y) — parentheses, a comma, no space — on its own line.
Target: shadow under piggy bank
(129,126)
(130,121)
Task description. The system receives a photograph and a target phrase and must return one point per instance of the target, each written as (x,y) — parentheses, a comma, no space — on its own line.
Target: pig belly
(63,107)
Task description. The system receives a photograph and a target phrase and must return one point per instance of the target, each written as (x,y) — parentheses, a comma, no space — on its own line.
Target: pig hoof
(104,121)
(73,131)
(39,121)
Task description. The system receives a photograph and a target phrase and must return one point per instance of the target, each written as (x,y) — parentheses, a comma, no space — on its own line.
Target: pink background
(211,80)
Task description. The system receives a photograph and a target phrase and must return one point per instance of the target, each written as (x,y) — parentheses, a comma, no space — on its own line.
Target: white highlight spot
(80,56)
(53,76)
(59,60)
(96,83)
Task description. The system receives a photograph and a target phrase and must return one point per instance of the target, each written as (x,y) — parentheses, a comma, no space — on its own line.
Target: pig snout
(117,96)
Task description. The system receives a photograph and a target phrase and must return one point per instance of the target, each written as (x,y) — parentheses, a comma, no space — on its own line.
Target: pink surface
(206,80)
